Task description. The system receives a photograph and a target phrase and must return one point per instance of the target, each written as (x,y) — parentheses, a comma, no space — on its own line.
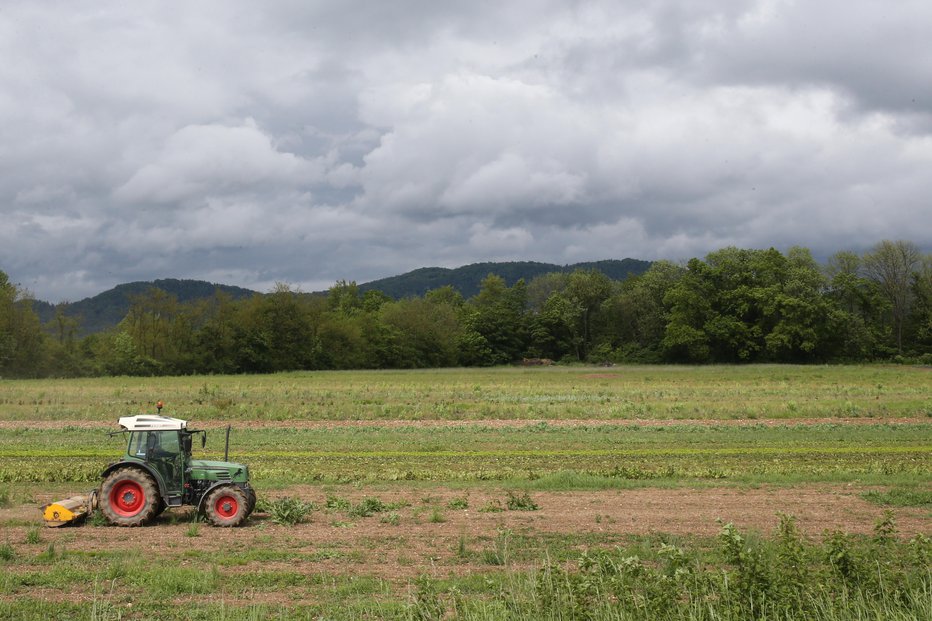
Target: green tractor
(157,472)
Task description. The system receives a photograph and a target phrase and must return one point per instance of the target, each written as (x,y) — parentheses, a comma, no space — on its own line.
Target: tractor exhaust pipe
(226,449)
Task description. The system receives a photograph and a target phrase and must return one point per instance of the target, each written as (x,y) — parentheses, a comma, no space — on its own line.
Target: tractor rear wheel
(226,506)
(129,497)
(251,499)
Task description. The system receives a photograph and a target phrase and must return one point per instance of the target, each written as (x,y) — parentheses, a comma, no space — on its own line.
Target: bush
(521,502)
(286,510)
(367,506)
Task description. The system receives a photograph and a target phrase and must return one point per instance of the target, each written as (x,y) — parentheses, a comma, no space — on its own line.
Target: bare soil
(371,546)
(332,543)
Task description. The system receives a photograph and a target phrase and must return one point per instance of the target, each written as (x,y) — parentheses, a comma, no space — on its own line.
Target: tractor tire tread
(239,504)
(151,500)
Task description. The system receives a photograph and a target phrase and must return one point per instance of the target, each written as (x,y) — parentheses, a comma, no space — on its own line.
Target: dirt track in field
(369,546)
(333,544)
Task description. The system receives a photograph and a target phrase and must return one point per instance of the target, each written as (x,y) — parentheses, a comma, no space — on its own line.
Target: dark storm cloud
(312,141)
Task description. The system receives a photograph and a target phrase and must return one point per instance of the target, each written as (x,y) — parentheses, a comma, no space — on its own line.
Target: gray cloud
(307,142)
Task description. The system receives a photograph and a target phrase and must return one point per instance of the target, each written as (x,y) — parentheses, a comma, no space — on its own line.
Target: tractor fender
(200,503)
(144,467)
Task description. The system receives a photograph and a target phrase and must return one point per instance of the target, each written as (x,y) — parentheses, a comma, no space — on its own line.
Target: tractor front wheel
(226,506)
(128,497)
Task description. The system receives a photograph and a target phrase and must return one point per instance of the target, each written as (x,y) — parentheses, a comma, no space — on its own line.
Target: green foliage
(900,497)
(33,536)
(461,502)
(520,502)
(286,510)
(367,507)
(733,306)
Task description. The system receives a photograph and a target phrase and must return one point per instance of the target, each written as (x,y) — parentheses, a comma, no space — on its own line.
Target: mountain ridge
(108,308)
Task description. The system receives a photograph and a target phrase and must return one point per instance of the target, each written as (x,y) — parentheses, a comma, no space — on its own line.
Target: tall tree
(891,264)
(633,320)
(858,308)
(499,316)
(21,336)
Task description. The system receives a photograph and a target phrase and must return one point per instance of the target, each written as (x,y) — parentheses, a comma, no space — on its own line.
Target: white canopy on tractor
(151,422)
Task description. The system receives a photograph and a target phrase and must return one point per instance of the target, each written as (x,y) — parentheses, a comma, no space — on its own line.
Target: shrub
(286,510)
(367,507)
(459,503)
(521,502)
(337,503)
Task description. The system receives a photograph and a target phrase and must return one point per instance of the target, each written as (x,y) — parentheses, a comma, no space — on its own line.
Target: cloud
(206,160)
(310,142)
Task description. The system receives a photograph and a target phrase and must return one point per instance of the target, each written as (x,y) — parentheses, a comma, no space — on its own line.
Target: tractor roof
(147,422)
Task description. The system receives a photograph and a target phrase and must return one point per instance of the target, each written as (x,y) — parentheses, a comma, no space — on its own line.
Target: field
(565,492)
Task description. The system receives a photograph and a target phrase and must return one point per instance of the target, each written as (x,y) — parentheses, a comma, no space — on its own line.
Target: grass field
(569,492)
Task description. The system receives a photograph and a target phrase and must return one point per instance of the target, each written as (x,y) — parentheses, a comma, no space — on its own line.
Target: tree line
(733,306)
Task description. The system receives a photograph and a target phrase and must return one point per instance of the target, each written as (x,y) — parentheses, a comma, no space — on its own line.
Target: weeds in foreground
(33,536)
(745,577)
(97,518)
(461,502)
(520,502)
(287,510)
(900,497)
(367,507)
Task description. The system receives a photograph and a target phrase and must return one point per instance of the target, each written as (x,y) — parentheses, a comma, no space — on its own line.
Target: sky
(304,142)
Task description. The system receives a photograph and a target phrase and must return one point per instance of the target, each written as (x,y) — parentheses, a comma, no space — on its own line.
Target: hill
(107,309)
(468,278)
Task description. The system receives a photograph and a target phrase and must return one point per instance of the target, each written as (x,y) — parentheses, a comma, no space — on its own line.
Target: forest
(732,306)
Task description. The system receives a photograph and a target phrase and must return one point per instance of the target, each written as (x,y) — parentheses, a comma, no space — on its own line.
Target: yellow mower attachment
(69,510)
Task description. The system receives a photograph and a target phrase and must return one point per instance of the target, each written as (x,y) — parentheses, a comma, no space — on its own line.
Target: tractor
(157,472)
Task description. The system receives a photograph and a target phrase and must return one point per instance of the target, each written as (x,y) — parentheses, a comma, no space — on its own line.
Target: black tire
(251,501)
(129,497)
(162,506)
(226,506)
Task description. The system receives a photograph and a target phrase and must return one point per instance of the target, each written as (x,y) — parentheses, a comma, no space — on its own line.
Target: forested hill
(467,279)
(107,309)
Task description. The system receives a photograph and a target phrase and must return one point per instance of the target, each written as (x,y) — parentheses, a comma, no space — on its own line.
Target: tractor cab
(164,444)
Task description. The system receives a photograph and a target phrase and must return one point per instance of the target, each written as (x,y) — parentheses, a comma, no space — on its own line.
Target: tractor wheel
(129,497)
(251,500)
(160,508)
(226,506)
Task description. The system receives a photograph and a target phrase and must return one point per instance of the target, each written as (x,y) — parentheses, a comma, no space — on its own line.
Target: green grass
(373,453)
(514,574)
(736,575)
(619,393)
(900,497)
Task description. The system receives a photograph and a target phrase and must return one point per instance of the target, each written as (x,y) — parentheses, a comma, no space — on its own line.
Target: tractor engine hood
(203,469)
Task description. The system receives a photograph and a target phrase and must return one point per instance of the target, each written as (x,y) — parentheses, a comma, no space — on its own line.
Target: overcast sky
(303,142)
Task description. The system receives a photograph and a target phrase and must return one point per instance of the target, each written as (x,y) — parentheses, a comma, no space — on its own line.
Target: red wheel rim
(127,498)
(226,506)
